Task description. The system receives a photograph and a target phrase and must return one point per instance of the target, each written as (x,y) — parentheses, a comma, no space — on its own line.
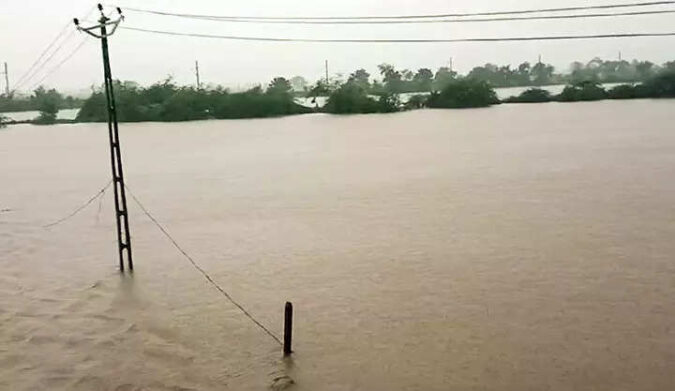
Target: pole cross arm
(89,30)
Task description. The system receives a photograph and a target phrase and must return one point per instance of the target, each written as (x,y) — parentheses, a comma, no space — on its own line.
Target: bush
(351,99)
(661,85)
(45,118)
(625,91)
(464,93)
(416,102)
(389,103)
(531,95)
(582,91)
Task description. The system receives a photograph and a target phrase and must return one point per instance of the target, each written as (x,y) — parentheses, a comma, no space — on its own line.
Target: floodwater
(29,115)
(518,247)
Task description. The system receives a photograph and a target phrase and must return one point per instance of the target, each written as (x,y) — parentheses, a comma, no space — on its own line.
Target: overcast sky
(27,27)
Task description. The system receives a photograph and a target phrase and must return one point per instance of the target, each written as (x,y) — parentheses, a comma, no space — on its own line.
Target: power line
(201,270)
(32,70)
(449,40)
(38,69)
(427,21)
(59,65)
(427,16)
(100,194)
(44,52)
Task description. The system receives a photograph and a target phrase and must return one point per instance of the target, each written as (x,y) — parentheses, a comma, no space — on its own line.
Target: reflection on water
(515,247)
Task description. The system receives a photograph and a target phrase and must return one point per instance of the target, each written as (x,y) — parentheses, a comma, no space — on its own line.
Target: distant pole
(288,328)
(619,55)
(539,61)
(6,80)
(121,213)
(326,71)
(199,84)
(450,63)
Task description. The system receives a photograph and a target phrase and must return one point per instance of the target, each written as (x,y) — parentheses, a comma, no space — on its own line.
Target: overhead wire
(44,52)
(426,16)
(426,21)
(37,70)
(448,40)
(200,269)
(41,62)
(60,64)
(80,208)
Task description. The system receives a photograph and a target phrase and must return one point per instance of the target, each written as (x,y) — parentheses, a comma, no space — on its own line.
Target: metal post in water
(288,328)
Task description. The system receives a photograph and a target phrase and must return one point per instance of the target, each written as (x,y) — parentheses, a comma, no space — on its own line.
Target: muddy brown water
(511,248)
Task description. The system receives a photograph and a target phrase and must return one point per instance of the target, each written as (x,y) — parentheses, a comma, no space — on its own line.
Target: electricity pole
(121,213)
(199,84)
(326,72)
(6,73)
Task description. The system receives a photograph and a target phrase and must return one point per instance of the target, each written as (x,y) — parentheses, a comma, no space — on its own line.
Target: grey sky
(27,26)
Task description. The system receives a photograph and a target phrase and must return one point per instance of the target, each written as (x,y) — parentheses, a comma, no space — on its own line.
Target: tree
(351,98)
(443,77)
(645,69)
(661,85)
(360,77)
(407,75)
(542,73)
(47,102)
(279,85)
(523,73)
(423,79)
(393,80)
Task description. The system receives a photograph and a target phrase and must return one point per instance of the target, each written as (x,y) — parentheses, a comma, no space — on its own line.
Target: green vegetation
(352,98)
(165,101)
(582,91)
(359,93)
(661,85)
(3,121)
(531,95)
(463,93)
(32,103)
(624,91)
(47,102)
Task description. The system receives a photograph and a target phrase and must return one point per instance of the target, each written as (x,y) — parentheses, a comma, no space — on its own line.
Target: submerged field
(509,248)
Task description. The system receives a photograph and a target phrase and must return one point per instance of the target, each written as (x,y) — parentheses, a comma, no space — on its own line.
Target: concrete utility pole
(121,213)
(199,84)
(326,72)
(6,73)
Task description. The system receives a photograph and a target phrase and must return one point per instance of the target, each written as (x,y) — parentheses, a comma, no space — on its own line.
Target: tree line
(396,81)
(359,92)
(41,99)
(166,101)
